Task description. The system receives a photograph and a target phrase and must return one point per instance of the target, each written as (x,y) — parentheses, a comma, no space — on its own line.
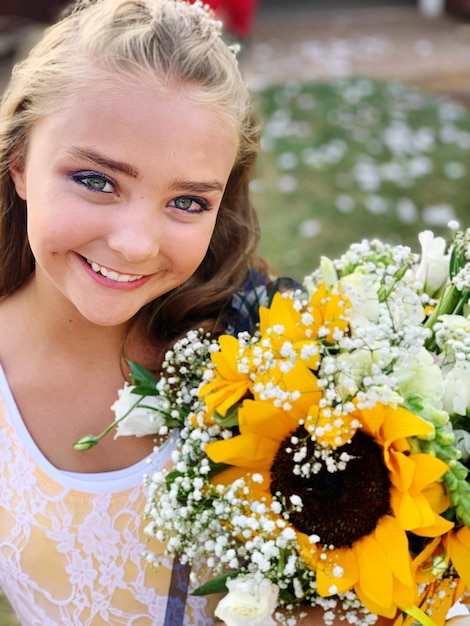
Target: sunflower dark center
(342,506)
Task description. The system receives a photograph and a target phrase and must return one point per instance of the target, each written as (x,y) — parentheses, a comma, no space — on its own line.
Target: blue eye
(190,204)
(94,181)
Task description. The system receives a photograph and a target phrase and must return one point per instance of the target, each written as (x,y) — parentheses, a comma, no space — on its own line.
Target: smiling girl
(126,141)
(126,144)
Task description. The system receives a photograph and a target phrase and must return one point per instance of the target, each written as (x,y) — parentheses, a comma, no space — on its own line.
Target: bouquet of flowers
(323,459)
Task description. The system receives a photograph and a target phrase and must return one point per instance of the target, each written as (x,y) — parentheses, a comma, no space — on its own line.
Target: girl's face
(123,186)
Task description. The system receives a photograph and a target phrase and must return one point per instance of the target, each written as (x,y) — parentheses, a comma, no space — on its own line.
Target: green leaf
(231,417)
(145,390)
(215,585)
(141,376)
(216,468)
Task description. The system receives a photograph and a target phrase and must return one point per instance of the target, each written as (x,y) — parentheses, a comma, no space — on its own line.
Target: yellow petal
(375,576)
(436,496)
(458,547)
(439,527)
(226,359)
(400,423)
(282,313)
(248,451)
(262,418)
(394,542)
(221,397)
(401,469)
(408,511)
(427,469)
(337,573)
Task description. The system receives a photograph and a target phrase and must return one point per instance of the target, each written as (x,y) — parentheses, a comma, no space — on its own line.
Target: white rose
(351,369)
(433,270)
(422,377)
(406,308)
(146,418)
(456,398)
(325,274)
(362,292)
(248,602)
(451,326)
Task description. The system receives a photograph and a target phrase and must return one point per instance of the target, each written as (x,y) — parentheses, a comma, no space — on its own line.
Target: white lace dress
(71,544)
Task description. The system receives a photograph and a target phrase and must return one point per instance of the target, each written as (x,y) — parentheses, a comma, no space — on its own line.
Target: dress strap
(179,584)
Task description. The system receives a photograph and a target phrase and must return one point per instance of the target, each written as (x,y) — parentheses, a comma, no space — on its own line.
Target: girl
(126,142)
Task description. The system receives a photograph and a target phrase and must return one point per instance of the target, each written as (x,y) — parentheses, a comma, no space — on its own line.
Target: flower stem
(90,441)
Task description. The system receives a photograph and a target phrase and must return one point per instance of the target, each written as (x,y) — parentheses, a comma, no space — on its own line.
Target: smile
(112,275)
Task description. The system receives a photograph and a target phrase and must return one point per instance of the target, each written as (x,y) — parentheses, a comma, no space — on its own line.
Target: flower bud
(86,443)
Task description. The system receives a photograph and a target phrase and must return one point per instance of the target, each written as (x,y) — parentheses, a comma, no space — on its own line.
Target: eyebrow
(197,187)
(125,168)
(103,161)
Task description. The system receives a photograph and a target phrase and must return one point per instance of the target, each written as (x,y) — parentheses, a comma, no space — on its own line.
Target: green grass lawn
(6,615)
(353,159)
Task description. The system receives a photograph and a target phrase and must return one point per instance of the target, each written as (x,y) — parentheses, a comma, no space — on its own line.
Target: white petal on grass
(287,183)
(309,229)
(407,211)
(420,166)
(367,176)
(375,204)
(306,101)
(438,214)
(257,185)
(287,160)
(345,203)
(454,170)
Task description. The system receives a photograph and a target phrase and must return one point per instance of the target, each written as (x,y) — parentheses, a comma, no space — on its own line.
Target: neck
(58,329)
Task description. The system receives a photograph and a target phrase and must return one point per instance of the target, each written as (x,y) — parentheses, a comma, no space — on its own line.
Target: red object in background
(36,10)
(460,7)
(237,15)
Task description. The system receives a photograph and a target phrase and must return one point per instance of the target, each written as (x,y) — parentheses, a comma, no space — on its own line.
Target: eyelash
(82,177)
(203,204)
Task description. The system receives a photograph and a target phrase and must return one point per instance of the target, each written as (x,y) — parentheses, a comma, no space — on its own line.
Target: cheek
(189,249)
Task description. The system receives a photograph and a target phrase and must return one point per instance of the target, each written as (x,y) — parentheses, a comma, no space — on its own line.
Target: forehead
(128,119)
(94,84)
(114,96)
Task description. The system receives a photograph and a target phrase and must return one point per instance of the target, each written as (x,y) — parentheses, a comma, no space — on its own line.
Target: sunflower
(279,366)
(440,586)
(457,545)
(359,514)
(228,385)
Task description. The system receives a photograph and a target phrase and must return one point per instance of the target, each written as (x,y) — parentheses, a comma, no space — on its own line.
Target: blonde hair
(163,42)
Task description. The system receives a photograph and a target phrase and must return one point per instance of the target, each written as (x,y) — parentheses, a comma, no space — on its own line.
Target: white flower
(422,377)
(433,270)
(248,603)
(456,398)
(328,272)
(362,291)
(352,367)
(144,419)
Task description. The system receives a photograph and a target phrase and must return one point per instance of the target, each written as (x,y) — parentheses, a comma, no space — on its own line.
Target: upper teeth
(121,278)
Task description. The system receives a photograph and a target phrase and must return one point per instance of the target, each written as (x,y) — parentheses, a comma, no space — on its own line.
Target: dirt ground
(379,42)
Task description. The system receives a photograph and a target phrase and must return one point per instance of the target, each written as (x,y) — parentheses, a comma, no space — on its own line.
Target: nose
(136,233)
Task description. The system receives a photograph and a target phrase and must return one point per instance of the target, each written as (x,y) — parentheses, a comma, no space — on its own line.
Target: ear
(18,175)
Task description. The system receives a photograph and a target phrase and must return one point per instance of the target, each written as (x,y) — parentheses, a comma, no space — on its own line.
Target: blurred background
(364,110)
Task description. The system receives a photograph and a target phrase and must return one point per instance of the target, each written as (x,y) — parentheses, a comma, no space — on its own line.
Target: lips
(113,275)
